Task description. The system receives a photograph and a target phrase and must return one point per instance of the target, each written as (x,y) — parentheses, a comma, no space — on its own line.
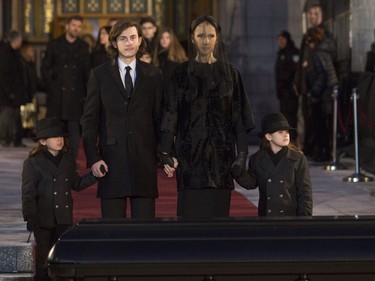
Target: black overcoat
(46,189)
(65,69)
(13,78)
(206,107)
(284,189)
(123,132)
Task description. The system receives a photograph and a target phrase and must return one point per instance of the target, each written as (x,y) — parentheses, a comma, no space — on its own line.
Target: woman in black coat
(208,114)
(100,54)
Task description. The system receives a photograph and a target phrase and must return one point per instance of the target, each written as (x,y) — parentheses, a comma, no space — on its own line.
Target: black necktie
(128,82)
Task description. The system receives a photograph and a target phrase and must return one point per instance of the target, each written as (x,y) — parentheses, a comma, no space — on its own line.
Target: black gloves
(32,224)
(246,180)
(239,165)
(166,158)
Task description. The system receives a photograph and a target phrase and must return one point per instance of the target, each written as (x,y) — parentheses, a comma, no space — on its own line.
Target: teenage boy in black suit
(120,124)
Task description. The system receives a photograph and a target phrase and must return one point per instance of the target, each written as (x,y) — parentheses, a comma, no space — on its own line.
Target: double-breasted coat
(285,188)
(46,189)
(65,69)
(123,132)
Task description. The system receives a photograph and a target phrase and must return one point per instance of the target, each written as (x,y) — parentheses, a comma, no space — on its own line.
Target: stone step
(17,258)
(16,277)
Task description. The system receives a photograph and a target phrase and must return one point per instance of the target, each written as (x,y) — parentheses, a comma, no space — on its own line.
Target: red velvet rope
(363,115)
(344,126)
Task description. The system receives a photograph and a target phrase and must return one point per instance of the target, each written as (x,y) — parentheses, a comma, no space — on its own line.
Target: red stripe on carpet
(86,205)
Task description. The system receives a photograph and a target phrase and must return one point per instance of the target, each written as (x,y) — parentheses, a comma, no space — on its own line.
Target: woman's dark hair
(116,31)
(107,28)
(212,21)
(205,18)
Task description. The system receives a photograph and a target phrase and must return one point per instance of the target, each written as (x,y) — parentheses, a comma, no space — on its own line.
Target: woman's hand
(170,170)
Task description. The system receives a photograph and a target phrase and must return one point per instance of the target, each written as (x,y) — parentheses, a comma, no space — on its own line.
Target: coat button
(269,211)
(268,198)
(281,212)
(66,206)
(281,181)
(57,206)
(66,179)
(55,193)
(66,193)
(54,179)
(281,196)
(269,180)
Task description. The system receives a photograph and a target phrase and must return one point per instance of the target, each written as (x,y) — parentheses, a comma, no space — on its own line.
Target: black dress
(206,106)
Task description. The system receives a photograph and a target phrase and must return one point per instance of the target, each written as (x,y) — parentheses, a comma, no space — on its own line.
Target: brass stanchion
(357,176)
(334,165)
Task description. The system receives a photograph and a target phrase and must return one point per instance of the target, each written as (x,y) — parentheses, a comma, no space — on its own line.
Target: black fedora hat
(274,122)
(49,128)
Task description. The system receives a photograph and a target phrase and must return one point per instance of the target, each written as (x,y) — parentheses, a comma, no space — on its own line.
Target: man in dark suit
(65,69)
(120,125)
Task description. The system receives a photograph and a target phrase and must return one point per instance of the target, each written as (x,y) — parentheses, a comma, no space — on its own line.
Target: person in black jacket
(100,54)
(285,69)
(121,123)
(13,90)
(315,18)
(65,69)
(48,176)
(321,78)
(370,58)
(149,33)
(280,171)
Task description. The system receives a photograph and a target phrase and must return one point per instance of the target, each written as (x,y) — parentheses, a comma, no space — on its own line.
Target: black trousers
(45,238)
(140,207)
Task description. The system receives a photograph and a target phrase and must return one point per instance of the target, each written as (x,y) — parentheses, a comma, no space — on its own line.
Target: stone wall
(362,31)
(250,29)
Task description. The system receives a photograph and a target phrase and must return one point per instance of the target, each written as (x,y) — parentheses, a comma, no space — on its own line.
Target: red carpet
(86,205)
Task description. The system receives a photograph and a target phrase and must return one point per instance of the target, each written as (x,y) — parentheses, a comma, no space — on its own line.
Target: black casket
(324,248)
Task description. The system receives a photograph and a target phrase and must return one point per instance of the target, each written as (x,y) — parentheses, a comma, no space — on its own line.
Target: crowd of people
(136,97)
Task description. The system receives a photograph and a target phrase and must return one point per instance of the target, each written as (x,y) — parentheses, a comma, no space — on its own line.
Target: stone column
(362,31)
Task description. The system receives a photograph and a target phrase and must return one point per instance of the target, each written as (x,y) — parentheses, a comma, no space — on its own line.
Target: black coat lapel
(115,72)
(139,78)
